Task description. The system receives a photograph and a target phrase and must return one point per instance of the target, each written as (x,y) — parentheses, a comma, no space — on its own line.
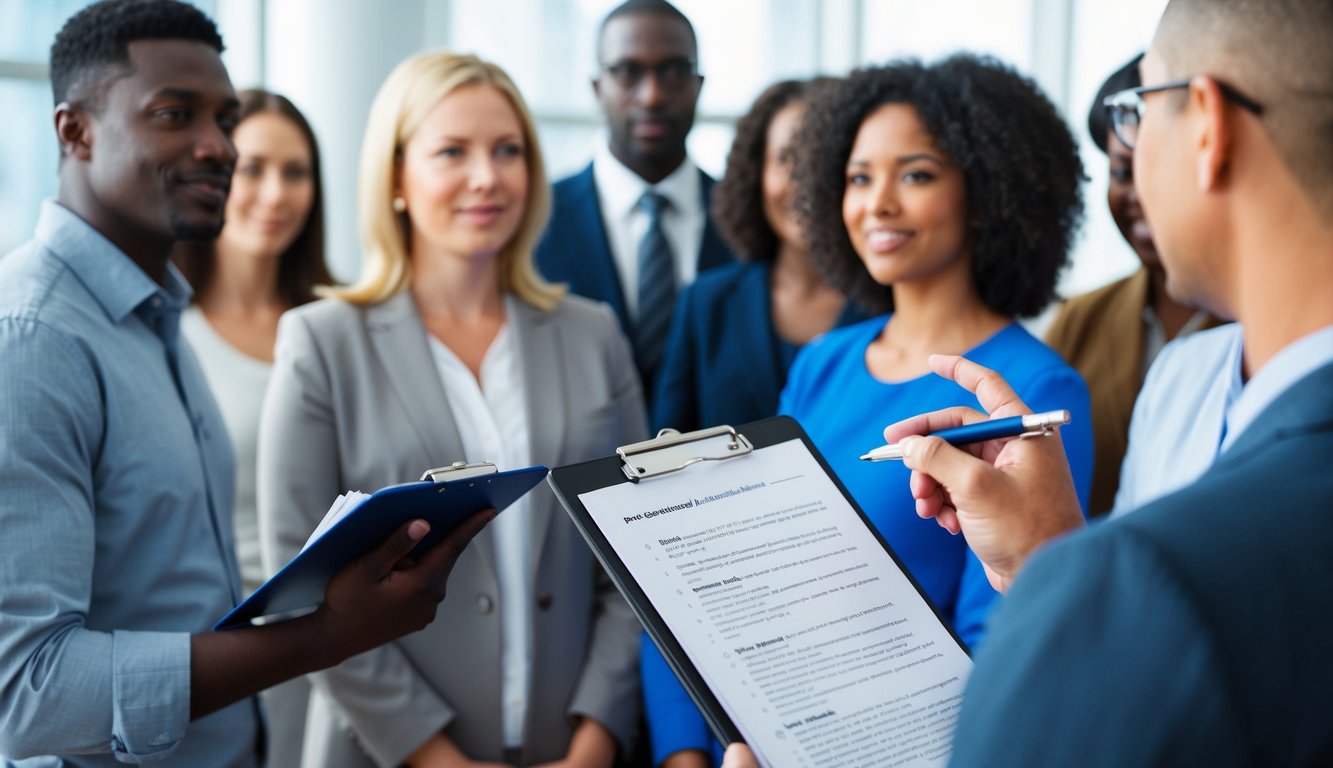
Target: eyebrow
(466,139)
(192,96)
(903,160)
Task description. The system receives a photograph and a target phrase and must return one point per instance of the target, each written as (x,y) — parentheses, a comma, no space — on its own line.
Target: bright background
(329,57)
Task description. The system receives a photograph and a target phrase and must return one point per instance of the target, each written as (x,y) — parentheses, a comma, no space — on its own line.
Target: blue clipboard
(445,497)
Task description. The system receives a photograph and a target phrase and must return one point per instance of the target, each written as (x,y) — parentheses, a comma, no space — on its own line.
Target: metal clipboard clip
(459,470)
(672,451)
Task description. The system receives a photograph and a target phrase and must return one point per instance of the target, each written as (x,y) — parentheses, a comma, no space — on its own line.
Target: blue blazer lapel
(757,339)
(592,270)
(712,251)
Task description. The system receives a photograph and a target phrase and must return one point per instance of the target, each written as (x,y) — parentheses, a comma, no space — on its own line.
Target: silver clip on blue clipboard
(445,497)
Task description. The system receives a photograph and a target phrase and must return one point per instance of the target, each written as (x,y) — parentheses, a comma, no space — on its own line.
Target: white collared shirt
(618,192)
(492,421)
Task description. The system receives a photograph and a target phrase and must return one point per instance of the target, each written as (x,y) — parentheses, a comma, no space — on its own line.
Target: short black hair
(98,37)
(649,8)
(737,205)
(1019,162)
(1126,77)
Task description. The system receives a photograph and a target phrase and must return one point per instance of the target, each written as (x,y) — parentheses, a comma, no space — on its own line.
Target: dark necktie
(657,289)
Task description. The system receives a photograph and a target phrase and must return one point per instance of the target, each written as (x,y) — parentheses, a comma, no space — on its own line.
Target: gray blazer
(356,403)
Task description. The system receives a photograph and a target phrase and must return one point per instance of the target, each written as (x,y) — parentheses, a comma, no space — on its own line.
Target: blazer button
(544,600)
(485,604)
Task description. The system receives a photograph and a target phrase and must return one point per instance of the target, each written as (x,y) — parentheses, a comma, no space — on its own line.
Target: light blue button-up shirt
(115,513)
(1179,417)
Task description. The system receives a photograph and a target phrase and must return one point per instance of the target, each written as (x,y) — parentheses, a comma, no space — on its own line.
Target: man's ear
(74,130)
(597,88)
(1213,139)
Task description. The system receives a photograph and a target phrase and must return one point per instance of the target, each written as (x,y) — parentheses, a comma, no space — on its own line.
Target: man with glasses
(632,228)
(1195,631)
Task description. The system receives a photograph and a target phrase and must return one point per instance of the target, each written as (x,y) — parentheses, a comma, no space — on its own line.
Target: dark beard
(194,232)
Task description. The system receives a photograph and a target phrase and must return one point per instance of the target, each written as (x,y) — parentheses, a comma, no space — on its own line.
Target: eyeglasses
(1125,108)
(670,73)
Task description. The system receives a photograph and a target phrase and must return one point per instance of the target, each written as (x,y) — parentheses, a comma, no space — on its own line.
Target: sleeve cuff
(150,694)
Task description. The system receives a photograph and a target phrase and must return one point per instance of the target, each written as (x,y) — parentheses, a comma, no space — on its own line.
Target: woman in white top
(451,347)
(267,259)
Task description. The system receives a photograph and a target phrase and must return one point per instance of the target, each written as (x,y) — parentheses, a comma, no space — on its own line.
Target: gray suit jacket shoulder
(356,402)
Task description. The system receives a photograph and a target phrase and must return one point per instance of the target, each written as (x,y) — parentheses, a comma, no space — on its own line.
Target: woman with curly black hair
(946,195)
(735,332)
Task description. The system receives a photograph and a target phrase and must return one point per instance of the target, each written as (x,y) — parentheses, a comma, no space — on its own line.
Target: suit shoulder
(725,278)
(581,314)
(570,190)
(326,314)
(1084,313)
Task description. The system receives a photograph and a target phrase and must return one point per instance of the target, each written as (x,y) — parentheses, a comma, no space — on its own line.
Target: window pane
(895,28)
(31,25)
(28,165)
(1105,36)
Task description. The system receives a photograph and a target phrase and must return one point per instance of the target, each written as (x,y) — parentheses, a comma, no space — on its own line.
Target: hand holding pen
(1007,496)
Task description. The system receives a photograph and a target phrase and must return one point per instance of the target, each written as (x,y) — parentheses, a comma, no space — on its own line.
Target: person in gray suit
(452,347)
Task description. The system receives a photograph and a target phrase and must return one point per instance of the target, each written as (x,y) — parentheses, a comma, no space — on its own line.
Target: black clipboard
(675,452)
(445,497)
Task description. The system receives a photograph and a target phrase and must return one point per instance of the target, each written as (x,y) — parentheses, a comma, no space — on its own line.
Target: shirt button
(544,600)
(485,604)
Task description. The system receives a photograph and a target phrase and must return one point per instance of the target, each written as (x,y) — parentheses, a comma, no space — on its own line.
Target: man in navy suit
(632,227)
(1197,630)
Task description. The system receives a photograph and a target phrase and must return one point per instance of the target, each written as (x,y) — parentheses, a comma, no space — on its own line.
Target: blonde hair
(412,90)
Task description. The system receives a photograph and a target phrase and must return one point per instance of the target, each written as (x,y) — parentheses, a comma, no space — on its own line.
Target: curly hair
(738,199)
(1019,162)
(97,38)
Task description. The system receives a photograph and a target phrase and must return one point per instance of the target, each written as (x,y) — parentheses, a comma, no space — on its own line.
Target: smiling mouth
(210,189)
(482,215)
(886,240)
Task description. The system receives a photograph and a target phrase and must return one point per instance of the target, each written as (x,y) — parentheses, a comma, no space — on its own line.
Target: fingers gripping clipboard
(788,619)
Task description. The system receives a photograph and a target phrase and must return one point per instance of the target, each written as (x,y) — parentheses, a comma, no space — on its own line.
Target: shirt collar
(1293,363)
(113,279)
(620,188)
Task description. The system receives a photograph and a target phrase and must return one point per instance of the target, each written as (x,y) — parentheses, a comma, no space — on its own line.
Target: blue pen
(1032,425)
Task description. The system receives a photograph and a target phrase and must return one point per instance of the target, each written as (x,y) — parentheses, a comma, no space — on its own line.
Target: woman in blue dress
(735,332)
(946,196)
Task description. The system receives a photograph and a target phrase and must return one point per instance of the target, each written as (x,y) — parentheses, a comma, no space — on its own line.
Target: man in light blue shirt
(1180,415)
(114,462)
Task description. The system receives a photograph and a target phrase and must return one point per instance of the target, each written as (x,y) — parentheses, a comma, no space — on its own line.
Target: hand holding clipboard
(445,498)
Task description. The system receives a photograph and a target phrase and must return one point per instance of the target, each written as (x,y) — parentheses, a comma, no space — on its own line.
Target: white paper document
(341,507)
(813,640)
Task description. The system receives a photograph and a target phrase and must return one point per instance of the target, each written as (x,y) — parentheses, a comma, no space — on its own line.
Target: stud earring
(399,204)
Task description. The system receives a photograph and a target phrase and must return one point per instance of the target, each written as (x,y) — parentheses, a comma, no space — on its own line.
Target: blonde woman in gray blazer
(449,345)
